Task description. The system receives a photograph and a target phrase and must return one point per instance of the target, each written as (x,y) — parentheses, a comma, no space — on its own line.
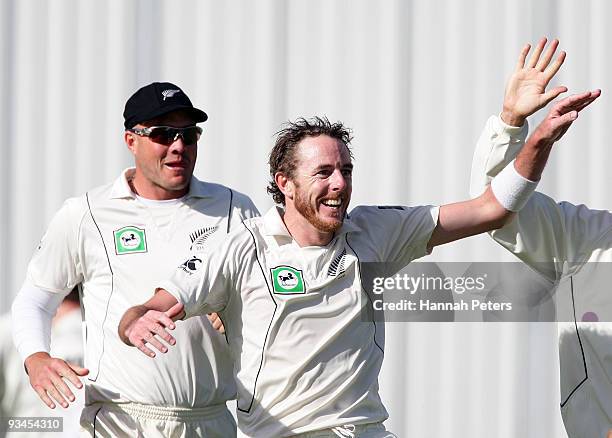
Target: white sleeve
(401,234)
(204,282)
(32,313)
(56,264)
(549,236)
(497,146)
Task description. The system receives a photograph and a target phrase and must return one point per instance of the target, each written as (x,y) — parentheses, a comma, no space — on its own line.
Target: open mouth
(332,203)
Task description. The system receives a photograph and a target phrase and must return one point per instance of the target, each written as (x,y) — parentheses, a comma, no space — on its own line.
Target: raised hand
(526,89)
(47,376)
(562,115)
(530,162)
(140,326)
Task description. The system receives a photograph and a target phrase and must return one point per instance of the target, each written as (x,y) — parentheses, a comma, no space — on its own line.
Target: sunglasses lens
(163,135)
(191,135)
(166,135)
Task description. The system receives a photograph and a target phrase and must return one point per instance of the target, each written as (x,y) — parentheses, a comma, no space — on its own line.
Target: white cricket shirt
(571,246)
(119,249)
(304,357)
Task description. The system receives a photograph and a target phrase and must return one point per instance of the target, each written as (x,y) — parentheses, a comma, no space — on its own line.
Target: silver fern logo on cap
(169,93)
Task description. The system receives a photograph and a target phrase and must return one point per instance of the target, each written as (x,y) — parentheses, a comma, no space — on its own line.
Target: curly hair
(283,155)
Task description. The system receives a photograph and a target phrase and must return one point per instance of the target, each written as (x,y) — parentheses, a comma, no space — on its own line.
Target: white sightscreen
(416,80)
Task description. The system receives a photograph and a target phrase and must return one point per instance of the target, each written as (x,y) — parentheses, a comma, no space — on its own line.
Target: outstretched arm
(490,211)
(146,323)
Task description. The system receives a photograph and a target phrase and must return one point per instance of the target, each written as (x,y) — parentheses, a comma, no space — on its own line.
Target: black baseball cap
(155,100)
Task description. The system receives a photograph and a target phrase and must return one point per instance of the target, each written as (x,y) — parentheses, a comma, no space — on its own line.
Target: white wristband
(511,189)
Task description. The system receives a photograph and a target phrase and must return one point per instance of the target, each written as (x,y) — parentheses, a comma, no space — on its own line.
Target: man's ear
(129,140)
(285,184)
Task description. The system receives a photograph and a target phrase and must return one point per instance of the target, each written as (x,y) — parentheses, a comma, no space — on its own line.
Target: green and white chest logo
(130,240)
(287,280)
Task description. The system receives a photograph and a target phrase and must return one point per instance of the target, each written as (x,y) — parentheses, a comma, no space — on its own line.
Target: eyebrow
(348,166)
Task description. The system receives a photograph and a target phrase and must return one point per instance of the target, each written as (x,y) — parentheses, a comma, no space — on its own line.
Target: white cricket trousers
(138,420)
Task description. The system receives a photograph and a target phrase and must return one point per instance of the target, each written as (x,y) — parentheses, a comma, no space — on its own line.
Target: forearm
(468,218)
(532,159)
(32,313)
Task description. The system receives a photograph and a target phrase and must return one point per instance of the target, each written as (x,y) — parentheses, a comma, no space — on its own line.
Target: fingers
(79,371)
(155,343)
(522,57)
(536,54)
(565,119)
(552,94)
(580,106)
(560,125)
(62,390)
(50,395)
(166,320)
(548,55)
(575,102)
(72,373)
(44,397)
(145,329)
(555,66)
(47,379)
(142,347)
(216,322)
(175,310)
(162,333)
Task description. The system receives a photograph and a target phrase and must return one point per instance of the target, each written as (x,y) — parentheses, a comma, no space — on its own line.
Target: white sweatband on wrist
(32,313)
(511,189)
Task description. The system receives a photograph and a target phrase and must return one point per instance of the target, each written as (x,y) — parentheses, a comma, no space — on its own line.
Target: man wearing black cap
(118,241)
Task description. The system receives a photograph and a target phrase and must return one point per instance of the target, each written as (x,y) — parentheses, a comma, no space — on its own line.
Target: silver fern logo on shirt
(198,238)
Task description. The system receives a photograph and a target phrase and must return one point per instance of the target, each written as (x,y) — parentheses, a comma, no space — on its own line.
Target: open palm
(526,89)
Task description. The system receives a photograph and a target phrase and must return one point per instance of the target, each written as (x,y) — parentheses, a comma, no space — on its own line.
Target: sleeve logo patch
(287,280)
(129,240)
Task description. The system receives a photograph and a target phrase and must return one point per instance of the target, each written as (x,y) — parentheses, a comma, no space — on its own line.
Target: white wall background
(415,79)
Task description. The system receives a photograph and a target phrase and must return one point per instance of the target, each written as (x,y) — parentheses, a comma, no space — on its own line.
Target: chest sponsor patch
(287,280)
(129,240)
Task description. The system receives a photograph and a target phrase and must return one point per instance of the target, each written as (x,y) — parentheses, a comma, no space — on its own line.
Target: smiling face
(162,172)
(318,193)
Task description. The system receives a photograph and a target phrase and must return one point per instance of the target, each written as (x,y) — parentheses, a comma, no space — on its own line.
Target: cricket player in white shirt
(119,241)
(288,285)
(570,246)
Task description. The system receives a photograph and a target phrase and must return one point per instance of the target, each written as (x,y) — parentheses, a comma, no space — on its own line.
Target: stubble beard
(305,209)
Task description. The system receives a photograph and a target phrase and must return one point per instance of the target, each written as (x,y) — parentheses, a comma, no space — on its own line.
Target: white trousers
(138,420)
(372,430)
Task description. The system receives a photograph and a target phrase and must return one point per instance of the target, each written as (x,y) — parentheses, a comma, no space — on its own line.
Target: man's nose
(178,145)
(338,181)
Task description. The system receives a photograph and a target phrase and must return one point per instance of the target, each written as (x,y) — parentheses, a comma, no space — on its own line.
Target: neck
(154,192)
(303,232)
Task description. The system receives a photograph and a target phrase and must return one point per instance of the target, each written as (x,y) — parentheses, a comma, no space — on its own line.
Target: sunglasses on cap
(167,135)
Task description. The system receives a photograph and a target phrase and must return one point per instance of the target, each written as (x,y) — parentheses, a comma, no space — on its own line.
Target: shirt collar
(121,187)
(274,225)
